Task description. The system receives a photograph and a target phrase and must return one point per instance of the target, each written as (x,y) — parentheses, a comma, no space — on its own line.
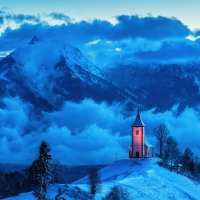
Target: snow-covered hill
(143,178)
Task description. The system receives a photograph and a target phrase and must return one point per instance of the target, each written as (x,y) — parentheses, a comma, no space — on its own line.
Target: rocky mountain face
(160,85)
(46,73)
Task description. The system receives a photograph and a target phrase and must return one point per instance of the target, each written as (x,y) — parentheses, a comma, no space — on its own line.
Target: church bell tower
(137,149)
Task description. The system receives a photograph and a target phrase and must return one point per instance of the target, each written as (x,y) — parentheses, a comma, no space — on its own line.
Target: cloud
(1,20)
(131,27)
(106,52)
(84,133)
(22,18)
(60,16)
(196,33)
(11,39)
(73,137)
(154,28)
(181,127)
(8,17)
(13,107)
(132,38)
(184,50)
(93,145)
(73,116)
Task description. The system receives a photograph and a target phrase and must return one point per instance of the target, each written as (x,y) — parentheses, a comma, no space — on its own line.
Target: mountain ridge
(162,85)
(52,77)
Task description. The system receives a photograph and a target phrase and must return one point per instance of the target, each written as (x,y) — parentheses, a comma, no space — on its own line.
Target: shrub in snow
(59,195)
(161,132)
(118,193)
(73,192)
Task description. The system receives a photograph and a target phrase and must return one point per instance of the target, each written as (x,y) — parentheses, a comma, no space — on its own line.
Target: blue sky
(185,10)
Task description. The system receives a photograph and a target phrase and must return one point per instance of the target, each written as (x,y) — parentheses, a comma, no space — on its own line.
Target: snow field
(143,178)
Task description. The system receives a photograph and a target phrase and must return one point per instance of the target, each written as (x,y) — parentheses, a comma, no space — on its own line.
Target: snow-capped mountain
(161,85)
(47,72)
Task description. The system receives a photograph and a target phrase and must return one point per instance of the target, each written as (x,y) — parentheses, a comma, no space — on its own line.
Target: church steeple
(138,148)
(138,136)
(138,121)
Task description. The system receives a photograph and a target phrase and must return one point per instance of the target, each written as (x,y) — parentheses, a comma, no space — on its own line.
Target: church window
(137,132)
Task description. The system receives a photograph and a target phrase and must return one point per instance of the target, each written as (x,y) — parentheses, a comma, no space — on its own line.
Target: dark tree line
(42,172)
(171,155)
(35,178)
(11,184)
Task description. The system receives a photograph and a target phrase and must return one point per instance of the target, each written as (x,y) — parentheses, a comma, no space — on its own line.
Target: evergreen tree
(11,184)
(196,168)
(2,185)
(187,160)
(192,166)
(40,172)
(171,150)
(94,182)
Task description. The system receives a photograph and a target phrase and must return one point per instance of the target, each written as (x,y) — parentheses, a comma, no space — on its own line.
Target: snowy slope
(143,178)
(44,53)
(146,180)
(65,191)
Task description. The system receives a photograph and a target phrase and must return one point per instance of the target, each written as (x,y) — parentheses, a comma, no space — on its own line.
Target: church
(139,148)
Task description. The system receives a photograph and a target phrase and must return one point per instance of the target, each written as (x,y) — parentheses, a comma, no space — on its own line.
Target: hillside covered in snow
(143,178)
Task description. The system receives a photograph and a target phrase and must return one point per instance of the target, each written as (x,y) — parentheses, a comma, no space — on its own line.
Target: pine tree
(187,159)
(40,172)
(171,150)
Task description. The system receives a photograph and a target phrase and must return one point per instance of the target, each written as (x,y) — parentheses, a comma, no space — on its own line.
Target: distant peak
(34,40)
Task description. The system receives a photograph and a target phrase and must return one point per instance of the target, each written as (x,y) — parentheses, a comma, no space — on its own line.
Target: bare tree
(161,133)
(94,182)
(57,170)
